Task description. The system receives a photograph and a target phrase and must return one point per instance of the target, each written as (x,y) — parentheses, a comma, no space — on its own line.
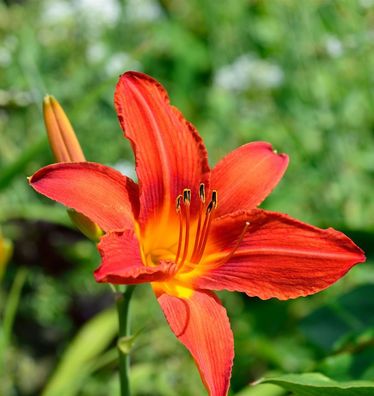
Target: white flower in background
(5,57)
(57,11)
(7,47)
(13,97)
(119,62)
(248,72)
(106,11)
(96,11)
(334,46)
(366,3)
(143,10)
(96,52)
(115,63)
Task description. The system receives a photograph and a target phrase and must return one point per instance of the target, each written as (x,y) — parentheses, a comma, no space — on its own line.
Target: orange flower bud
(6,249)
(66,148)
(61,136)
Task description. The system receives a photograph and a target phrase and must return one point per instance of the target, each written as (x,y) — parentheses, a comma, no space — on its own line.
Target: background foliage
(296,74)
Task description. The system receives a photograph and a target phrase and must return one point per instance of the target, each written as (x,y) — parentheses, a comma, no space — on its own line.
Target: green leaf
(316,384)
(81,354)
(10,311)
(261,390)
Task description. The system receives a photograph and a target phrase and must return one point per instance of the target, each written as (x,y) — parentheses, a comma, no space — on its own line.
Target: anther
(178,203)
(214,198)
(187,196)
(202,192)
(213,203)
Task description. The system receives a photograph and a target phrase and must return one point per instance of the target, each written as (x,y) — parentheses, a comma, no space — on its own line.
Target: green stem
(123,304)
(9,315)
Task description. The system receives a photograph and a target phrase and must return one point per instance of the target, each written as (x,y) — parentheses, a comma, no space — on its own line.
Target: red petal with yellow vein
(122,263)
(201,324)
(170,155)
(101,193)
(246,176)
(279,256)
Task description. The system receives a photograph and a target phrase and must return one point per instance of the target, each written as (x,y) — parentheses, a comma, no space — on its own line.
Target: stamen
(186,213)
(183,208)
(203,237)
(178,208)
(198,230)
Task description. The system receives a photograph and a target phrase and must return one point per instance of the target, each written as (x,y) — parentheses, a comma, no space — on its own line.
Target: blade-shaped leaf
(262,390)
(76,362)
(316,384)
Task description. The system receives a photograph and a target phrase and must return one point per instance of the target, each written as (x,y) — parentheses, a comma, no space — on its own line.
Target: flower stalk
(124,339)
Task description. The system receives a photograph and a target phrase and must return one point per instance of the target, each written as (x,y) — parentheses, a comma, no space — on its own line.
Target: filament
(201,207)
(187,202)
(178,209)
(202,238)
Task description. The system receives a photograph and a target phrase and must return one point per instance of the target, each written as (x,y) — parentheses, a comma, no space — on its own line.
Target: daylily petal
(278,257)
(101,193)
(122,262)
(246,176)
(201,324)
(170,155)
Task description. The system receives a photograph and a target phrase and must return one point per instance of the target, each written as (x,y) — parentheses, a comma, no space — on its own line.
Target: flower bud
(6,249)
(66,148)
(62,139)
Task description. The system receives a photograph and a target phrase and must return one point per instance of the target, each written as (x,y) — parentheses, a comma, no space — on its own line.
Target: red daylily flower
(190,230)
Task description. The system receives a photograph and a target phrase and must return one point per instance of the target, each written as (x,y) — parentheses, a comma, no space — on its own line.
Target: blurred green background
(296,74)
